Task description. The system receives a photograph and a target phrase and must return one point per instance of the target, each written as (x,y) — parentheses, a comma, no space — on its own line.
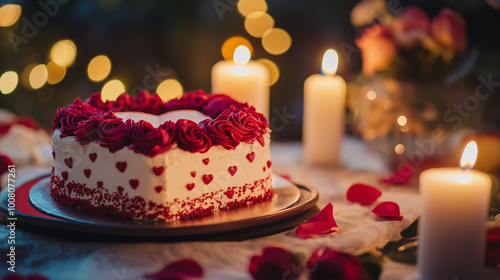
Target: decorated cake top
(228,123)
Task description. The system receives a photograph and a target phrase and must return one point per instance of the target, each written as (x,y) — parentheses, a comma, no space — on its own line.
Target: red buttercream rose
(95,101)
(250,125)
(112,134)
(194,100)
(222,132)
(150,140)
(217,103)
(70,123)
(87,130)
(122,103)
(326,263)
(192,138)
(274,263)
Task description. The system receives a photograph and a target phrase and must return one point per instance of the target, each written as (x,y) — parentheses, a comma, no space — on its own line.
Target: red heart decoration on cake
(232,170)
(264,169)
(99,184)
(69,162)
(158,170)
(251,156)
(207,178)
(64,174)
(158,189)
(87,172)
(93,157)
(206,161)
(230,194)
(54,154)
(120,189)
(388,210)
(121,166)
(190,186)
(193,174)
(269,163)
(134,183)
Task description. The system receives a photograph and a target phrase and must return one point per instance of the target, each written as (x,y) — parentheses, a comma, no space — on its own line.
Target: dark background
(184,38)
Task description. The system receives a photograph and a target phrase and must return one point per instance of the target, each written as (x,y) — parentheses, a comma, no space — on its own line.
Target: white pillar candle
(452,228)
(243,80)
(324,109)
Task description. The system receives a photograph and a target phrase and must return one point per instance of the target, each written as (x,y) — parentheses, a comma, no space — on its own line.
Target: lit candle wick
(469,156)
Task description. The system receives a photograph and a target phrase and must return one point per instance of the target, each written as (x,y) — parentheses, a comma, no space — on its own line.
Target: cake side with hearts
(117,164)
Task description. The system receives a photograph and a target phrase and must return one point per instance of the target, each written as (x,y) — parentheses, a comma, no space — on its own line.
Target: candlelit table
(72,258)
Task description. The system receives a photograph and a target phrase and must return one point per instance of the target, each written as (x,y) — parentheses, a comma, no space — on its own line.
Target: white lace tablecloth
(359,230)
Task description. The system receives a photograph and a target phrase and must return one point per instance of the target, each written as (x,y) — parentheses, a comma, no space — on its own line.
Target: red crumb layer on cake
(98,200)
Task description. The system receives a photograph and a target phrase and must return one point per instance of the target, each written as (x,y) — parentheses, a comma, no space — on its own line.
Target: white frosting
(178,166)
(157,120)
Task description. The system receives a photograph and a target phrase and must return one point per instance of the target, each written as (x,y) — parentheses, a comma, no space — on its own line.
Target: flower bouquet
(414,71)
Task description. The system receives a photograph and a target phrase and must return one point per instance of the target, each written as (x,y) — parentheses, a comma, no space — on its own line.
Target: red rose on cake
(150,140)
(190,137)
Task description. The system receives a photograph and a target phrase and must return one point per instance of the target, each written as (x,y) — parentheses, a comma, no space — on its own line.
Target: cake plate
(35,207)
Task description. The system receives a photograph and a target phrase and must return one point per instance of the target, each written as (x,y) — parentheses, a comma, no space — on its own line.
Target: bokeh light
(63,53)
(257,23)
(55,73)
(9,14)
(8,82)
(402,120)
(276,41)
(99,68)
(169,89)
(38,76)
(246,7)
(371,95)
(274,72)
(112,89)
(399,149)
(231,44)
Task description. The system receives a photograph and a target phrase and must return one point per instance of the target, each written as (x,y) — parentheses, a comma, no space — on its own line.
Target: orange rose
(448,29)
(377,49)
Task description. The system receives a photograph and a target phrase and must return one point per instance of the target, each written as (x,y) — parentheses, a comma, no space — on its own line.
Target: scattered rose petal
(363,194)
(388,210)
(326,263)
(5,161)
(320,224)
(285,176)
(274,263)
(400,176)
(181,269)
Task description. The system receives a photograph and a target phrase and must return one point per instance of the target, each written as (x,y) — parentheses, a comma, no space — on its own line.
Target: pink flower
(377,49)
(362,194)
(179,270)
(412,27)
(274,263)
(326,263)
(320,224)
(448,29)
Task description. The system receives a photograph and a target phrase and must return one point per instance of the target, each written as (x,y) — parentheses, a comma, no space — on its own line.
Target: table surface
(360,230)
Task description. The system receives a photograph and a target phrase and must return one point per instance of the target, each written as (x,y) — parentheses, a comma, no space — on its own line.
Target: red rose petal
(388,210)
(274,263)
(400,176)
(320,224)
(363,194)
(5,161)
(182,269)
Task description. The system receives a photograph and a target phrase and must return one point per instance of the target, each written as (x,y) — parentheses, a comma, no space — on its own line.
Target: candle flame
(469,156)
(330,62)
(241,55)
